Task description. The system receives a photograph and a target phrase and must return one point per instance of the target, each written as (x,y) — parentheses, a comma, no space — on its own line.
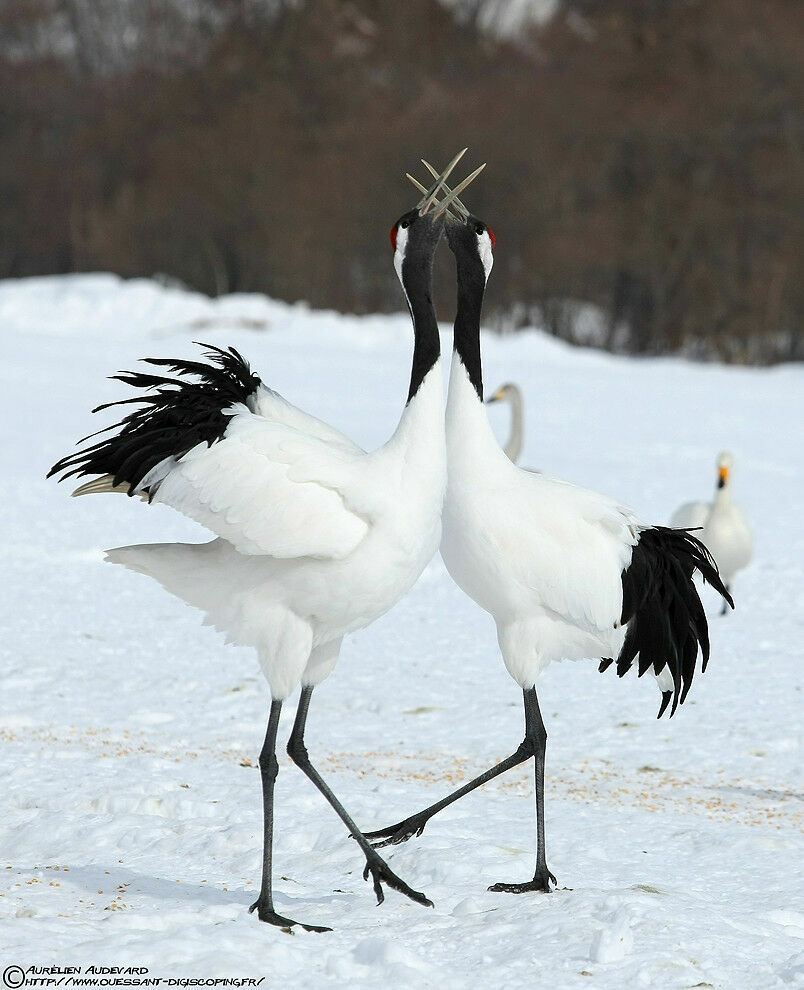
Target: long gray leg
(269,768)
(725,608)
(375,865)
(534,730)
(534,744)
(406,829)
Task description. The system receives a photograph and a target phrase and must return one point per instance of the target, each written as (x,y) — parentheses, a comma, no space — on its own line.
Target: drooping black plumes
(661,607)
(176,416)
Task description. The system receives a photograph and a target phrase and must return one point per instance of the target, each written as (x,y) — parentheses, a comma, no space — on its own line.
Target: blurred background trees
(645,172)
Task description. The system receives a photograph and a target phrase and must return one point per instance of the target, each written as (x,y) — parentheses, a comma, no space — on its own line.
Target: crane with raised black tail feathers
(566,573)
(316,537)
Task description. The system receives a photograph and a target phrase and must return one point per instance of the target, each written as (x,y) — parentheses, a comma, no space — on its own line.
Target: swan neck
(723,496)
(514,446)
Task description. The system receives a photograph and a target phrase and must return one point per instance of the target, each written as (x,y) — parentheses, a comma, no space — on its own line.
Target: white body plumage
(542,556)
(317,538)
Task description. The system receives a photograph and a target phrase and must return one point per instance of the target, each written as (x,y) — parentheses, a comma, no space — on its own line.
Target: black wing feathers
(179,413)
(661,608)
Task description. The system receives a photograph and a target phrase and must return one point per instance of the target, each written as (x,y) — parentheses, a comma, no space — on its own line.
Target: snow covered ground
(130,829)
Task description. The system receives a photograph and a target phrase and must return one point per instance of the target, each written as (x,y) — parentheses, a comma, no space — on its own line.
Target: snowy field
(130,831)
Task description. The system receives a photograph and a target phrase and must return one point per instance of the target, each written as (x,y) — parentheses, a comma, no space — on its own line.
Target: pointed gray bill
(431,194)
(451,198)
(421,188)
(456,202)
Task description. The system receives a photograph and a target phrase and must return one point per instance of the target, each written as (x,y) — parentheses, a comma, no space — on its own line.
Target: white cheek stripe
(399,253)
(486,252)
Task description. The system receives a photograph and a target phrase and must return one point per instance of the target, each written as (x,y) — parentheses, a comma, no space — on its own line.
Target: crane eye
(400,224)
(481,229)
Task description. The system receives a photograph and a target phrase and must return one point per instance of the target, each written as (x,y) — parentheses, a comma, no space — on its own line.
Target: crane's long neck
(420,433)
(417,281)
(470,439)
(466,334)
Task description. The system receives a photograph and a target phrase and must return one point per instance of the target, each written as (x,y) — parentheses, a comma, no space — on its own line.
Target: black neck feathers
(466,339)
(417,273)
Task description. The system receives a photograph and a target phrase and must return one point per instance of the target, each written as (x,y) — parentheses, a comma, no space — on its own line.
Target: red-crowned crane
(565,573)
(316,538)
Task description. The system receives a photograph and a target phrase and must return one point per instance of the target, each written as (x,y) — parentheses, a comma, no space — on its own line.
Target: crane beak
(450,205)
(498,395)
(722,476)
(451,198)
(421,188)
(431,194)
(457,211)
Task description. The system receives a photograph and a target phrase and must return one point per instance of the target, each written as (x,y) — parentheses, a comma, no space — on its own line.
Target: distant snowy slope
(83,305)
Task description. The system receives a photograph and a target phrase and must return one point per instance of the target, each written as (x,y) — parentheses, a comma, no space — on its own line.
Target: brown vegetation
(643,156)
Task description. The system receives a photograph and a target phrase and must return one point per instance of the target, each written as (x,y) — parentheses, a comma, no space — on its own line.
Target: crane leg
(535,730)
(375,866)
(269,768)
(725,603)
(534,744)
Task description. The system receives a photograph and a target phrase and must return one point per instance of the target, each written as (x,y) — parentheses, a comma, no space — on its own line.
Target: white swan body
(724,527)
